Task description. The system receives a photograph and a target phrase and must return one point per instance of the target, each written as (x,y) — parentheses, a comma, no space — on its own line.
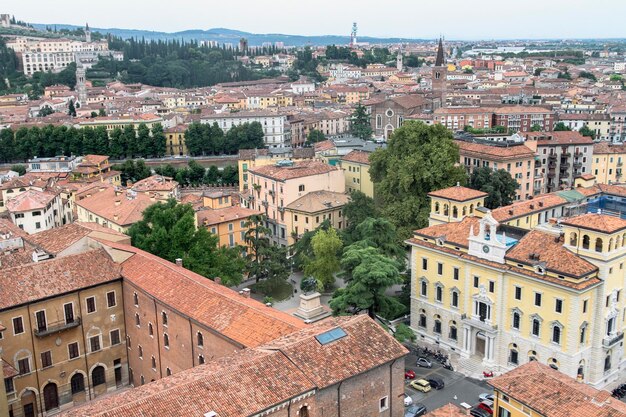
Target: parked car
(409,374)
(424,363)
(479,412)
(486,405)
(407,400)
(486,396)
(436,383)
(416,410)
(420,385)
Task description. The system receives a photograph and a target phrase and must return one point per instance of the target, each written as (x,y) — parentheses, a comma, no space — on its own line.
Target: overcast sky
(455,19)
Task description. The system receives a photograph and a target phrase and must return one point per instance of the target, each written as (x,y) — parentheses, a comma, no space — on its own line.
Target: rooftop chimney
(218,280)
(246,292)
(179,262)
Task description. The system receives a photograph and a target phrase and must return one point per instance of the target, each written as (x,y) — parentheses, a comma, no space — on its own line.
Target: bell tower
(399,59)
(487,244)
(87,33)
(439,75)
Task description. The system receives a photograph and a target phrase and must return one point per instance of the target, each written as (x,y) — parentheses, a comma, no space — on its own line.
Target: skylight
(330,336)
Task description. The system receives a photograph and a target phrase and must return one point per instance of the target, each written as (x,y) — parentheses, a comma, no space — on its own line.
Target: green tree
(303,250)
(315,136)
(418,159)
(360,125)
(117,145)
(616,77)
(535,128)
(144,141)
(168,231)
(7,145)
(369,280)
(359,208)
(257,239)
(588,75)
(19,168)
(45,111)
(404,333)
(381,234)
(102,113)
(499,184)
(93,115)
(158,141)
(71,109)
(326,245)
(560,127)
(585,131)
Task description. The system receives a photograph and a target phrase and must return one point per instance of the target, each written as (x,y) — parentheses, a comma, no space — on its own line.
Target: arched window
(455,212)
(610,247)
(201,359)
(97,376)
(471,210)
(553,363)
(437,326)
(140,351)
(446,210)
(556,334)
(516,320)
(618,242)
(137,320)
(581,369)
(150,329)
(437,207)
(303,412)
(624,239)
(573,239)
(453,331)
(583,334)
(166,340)
(439,293)
(77,382)
(513,354)
(585,242)
(200,339)
(455,299)
(136,299)
(142,379)
(422,318)
(464,211)
(532,355)
(598,245)
(607,362)
(610,326)
(164,317)
(536,327)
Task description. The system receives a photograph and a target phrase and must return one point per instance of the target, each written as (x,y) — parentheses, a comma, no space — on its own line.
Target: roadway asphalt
(458,388)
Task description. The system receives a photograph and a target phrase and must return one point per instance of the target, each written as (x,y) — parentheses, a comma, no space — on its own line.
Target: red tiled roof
(27,283)
(598,222)
(244,320)
(58,239)
(357,156)
(118,209)
(298,170)
(210,217)
(559,138)
(494,152)
(30,200)
(553,394)
(458,193)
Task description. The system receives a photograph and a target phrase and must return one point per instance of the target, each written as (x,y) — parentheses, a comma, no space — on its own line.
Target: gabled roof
(243,320)
(57,239)
(30,200)
(553,394)
(297,170)
(599,222)
(35,281)
(458,193)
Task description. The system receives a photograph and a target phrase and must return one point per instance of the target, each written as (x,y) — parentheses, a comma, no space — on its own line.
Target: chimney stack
(179,262)
(218,280)
(245,292)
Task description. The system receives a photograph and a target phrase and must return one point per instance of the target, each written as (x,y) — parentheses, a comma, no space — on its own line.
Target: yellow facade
(300,222)
(609,168)
(357,175)
(175,142)
(553,294)
(444,210)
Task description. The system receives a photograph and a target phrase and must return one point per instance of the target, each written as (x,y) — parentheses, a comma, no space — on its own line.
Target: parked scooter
(488,374)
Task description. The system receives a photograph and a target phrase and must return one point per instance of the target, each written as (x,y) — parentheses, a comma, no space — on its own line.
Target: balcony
(537,163)
(551,174)
(57,327)
(619,163)
(552,157)
(578,154)
(281,208)
(564,167)
(578,165)
(610,341)
(566,155)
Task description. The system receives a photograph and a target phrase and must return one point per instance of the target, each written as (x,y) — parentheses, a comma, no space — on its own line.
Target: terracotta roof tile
(448,410)
(58,239)
(241,319)
(556,258)
(559,138)
(298,170)
(598,222)
(116,207)
(316,201)
(155,183)
(358,157)
(56,276)
(208,217)
(494,152)
(458,193)
(553,394)
(523,208)
(30,200)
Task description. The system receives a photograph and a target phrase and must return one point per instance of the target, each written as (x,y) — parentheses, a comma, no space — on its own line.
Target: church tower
(81,86)
(87,33)
(399,59)
(439,75)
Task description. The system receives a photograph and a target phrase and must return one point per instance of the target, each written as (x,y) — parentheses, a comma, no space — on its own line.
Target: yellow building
(537,390)
(224,220)
(175,141)
(312,209)
(112,122)
(253,158)
(608,162)
(356,168)
(500,296)
(454,204)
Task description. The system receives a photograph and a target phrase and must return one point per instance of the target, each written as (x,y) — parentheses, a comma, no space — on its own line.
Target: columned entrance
(479,345)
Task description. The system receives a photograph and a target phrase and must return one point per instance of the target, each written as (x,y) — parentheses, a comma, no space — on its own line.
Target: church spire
(439,60)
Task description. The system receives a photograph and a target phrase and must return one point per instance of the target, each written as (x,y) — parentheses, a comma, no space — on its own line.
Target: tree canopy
(326,245)
(499,184)
(209,139)
(360,125)
(168,230)
(418,159)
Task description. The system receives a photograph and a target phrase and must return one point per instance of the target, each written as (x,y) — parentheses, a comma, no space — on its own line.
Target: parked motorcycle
(488,374)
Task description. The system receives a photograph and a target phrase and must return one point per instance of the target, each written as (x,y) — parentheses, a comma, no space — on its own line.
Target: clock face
(486,249)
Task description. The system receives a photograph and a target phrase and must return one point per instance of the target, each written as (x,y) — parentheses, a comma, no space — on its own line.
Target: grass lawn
(277,289)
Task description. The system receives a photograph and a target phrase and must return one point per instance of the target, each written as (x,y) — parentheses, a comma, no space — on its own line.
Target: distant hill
(223,35)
